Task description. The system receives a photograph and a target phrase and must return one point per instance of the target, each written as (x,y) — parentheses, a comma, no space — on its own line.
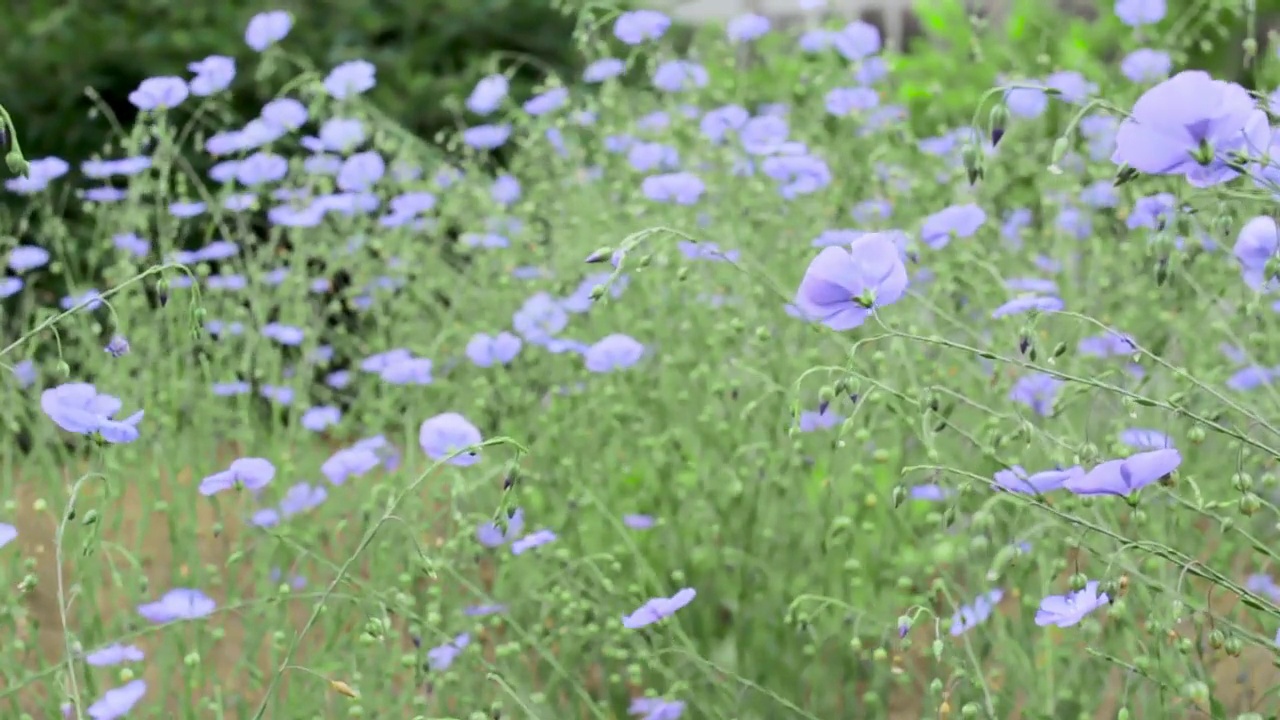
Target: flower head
(448,433)
(1122,477)
(842,287)
(1192,125)
(1070,609)
(80,408)
(657,609)
(252,473)
(178,604)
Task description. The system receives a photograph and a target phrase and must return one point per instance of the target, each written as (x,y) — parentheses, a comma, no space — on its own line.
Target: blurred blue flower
(178,604)
(1068,610)
(1125,476)
(118,702)
(488,94)
(114,654)
(80,408)
(251,473)
(970,616)
(636,26)
(441,657)
(657,609)
(747,27)
(447,433)
(266,29)
(489,350)
(350,78)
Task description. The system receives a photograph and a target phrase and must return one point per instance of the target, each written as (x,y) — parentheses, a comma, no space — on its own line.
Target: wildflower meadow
(765,387)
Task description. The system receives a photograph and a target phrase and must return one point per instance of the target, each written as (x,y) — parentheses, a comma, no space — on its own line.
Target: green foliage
(424,52)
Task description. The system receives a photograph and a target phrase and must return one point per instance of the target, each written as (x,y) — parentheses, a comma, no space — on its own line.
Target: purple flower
(441,657)
(483,610)
(1263,584)
(351,78)
(931,492)
(39,175)
(490,536)
(1107,344)
(489,350)
(178,604)
(531,541)
(970,616)
(1070,609)
(1248,378)
(251,472)
(213,75)
(1136,13)
(348,463)
(1257,243)
(118,346)
(1192,125)
(636,26)
(159,93)
(448,433)
(408,371)
(1038,391)
(603,69)
(842,287)
(8,534)
(80,408)
(811,421)
(613,352)
(540,318)
(845,101)
(24,258)
(1152,212)
(1145,439)
(1146,65)
(681,188)
(115,654)
(657,609)
(488,94)
(638,522)
(320,417)
(1073,86)
(650,708)
(1122,477)
(266,29)
(1026,102)
(547,102)
(117,702)
(957,221)
(745,28)
(857,40)
(1028,303)
(301,498)
(1015,479)
(677,75)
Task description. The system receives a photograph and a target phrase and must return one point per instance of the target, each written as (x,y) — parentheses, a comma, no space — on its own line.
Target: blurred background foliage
(424,51)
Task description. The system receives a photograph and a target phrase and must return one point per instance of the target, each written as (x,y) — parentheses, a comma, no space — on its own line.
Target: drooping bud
(1060,147)
(997,122)
(600,255)
(972,163)
(1124,176)
(17,164)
